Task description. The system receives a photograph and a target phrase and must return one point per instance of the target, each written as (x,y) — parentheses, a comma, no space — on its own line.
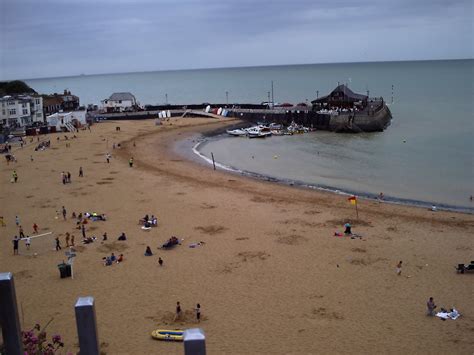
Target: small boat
(168,335)
(258,132)
(237,132)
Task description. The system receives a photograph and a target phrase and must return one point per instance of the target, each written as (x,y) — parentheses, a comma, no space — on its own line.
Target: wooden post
(9,321)
(194,342)
(213,162)
(87,326)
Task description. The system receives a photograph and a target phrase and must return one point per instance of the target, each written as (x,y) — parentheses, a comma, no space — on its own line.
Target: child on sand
(198,313)
(399,268)
(35,228)
(178,312)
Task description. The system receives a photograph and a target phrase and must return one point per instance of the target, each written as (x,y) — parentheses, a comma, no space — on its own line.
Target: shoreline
(203,159)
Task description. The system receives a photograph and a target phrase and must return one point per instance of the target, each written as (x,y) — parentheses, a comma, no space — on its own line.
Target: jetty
(341,111)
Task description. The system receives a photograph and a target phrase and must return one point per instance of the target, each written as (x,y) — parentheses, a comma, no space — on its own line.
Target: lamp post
(227,97)
(268,93)
(166,99)
(317,94)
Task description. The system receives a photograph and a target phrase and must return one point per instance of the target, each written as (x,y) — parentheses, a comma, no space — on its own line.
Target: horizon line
(238,67)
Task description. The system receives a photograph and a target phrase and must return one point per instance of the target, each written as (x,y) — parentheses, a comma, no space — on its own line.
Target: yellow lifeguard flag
(353,200)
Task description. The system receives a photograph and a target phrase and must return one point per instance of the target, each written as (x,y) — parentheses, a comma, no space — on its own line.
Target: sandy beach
(271,277)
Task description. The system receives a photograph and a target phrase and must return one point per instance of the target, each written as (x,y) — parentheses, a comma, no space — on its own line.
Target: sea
(425,157)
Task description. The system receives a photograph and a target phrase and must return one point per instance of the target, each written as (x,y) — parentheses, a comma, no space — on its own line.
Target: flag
(353,200)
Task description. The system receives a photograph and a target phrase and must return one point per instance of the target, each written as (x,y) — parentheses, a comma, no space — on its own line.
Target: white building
(119,102)
(68,121)
(21,110)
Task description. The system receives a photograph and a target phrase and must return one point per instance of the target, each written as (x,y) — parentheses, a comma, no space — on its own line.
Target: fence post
(194,342)
(9,321)
(87,326)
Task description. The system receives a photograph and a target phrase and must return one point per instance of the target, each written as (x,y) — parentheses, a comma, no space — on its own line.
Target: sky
(51,38)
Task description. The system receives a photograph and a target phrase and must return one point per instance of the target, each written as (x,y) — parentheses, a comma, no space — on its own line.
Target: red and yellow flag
(353,200)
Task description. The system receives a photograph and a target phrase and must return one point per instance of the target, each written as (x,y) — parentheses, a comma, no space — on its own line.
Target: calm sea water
(426,155)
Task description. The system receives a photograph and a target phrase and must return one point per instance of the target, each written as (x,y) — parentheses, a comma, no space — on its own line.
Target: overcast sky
(50,38)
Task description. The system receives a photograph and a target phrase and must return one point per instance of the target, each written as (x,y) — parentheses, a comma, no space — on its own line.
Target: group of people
(109,260)
(66,177)
(43,145)
(149,222)
(179,312)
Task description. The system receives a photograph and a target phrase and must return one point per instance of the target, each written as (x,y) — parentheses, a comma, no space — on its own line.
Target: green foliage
(15,87)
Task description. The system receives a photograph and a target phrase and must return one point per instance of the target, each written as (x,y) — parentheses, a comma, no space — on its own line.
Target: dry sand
(271,277)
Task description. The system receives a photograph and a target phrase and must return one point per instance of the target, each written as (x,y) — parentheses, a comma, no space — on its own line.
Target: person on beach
(27,242)
(399,268)
(198,313)
(83,230)
(160,261)
(68,236)
(20,231)
(68,177)
(15,176)
(104,237)
(81,172)
(430,305)
(63,177)
(178,312)
(120,258)
(72,240)
(15,245)
(58,244)
(148,251)
(130,162)
(35,228)
(122,237)
(2,222)
(17,221)
(107,156)
(64,212)
(113,258)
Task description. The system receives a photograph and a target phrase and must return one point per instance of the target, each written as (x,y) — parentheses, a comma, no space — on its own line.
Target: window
(11,103)
(3,112)
(23,105)
(25,111)
(37,101)
(120,101)
(12,111)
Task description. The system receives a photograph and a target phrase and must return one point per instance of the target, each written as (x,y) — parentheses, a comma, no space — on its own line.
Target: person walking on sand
(58,244)
(15,176)
(160,261)
(72,240)
(63,177)
(130,162)
(20,231)
(107,156)
(68,177)
(83,230)
(177,316)
(198,313)
(81,172)
(15,245)
(35,228)
(68,236)
(399,268)
(27,242)
(17,221)
(430,305)
(64,212)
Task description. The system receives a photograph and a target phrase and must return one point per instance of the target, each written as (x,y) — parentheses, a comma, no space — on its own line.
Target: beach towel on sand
(448,315)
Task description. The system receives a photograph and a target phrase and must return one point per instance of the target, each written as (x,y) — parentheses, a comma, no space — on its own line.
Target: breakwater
(374,118)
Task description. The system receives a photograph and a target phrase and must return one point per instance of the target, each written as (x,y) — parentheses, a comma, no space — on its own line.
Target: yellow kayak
(168,335)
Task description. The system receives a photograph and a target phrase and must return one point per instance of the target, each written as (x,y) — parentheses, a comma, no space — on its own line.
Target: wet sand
(271,277)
